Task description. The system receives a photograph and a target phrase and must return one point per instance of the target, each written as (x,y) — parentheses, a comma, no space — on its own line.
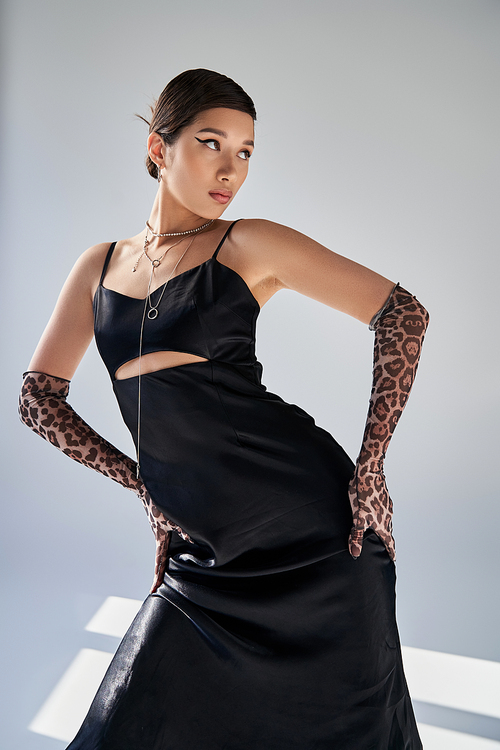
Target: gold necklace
(156,261)
(152,314)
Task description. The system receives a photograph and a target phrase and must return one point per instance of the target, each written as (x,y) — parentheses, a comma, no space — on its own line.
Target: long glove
(43,408)
(399,332)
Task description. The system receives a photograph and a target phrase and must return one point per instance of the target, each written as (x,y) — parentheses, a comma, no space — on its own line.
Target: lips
(221,196)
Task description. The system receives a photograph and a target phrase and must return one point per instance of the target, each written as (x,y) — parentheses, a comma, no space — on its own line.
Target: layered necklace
(150,310)
(156,262)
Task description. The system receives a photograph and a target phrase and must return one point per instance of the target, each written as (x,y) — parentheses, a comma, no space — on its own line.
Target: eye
(245,154)
(209,142)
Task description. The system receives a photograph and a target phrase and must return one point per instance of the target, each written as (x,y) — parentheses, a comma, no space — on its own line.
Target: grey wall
(378,136)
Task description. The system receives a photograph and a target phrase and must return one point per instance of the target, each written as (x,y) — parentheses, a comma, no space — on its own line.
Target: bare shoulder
(93,258)
(258,230)
(88,268)
(270,237)
(292,260)
(275,249)
(262,241)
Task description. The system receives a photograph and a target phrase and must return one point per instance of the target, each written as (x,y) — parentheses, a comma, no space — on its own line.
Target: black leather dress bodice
(208,310)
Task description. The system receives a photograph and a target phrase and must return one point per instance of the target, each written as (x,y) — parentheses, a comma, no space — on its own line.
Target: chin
(216,212)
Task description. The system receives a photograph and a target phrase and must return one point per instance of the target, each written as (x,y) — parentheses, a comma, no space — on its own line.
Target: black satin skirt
(266,634)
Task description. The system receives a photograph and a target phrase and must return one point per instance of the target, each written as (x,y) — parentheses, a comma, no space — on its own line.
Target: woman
(271,617)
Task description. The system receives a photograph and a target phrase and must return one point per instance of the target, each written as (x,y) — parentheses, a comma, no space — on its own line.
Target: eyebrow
(223,134)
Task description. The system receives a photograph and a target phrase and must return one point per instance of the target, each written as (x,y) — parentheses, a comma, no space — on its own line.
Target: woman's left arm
(399,321)
(282,258)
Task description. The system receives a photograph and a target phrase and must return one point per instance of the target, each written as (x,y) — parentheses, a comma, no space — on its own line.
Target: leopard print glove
(43,408)
(399,332)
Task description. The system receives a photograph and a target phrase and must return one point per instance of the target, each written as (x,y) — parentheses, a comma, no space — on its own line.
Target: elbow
(423,315)
(39,391)
(23,409)
(27,404)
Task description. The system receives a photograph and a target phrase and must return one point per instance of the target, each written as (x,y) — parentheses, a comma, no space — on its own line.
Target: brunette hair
(188,94)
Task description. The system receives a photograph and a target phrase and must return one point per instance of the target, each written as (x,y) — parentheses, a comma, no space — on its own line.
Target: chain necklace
(152,314)
(153,309)
(156,261)
(178,234)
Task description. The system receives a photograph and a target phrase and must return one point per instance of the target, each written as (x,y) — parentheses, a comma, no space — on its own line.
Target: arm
(400,328)
(43,406)
(271,257)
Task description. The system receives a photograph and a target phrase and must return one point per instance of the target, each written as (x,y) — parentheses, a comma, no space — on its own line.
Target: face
(208,164)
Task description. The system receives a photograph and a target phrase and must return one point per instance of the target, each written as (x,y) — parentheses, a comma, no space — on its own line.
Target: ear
(156,149)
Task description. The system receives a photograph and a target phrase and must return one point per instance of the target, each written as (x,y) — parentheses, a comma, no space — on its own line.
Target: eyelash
(214,140)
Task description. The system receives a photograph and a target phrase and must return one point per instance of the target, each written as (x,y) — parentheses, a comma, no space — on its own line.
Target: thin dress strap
(106,262)
(222,240)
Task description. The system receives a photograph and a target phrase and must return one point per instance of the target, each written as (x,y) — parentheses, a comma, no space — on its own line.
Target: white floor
(435,738)
(66,707)
(454,681)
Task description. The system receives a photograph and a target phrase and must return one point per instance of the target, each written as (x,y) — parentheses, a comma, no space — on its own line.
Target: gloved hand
(43,408)
(162,530)
(399,328)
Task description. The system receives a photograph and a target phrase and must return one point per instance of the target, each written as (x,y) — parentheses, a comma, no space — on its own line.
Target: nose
(226,171)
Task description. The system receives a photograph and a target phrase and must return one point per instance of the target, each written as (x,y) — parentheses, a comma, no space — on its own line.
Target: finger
(355,543)
(354,551)
(160,568)
(158,577)
(158,580)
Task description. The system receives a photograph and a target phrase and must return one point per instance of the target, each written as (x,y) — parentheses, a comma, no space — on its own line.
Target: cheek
(186,175)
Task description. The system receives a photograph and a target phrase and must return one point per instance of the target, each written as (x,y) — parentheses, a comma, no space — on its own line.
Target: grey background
(378,136)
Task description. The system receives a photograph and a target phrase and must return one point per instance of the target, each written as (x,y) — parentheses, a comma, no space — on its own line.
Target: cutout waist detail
(154,361)
(207,311)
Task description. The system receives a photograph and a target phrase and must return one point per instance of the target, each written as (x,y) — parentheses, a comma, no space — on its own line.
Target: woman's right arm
(71,325)
(43,402)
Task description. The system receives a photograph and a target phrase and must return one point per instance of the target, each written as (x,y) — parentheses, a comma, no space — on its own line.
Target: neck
(167,216)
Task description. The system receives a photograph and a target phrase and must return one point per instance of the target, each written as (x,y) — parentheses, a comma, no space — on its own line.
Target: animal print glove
(399,328)
(43,408)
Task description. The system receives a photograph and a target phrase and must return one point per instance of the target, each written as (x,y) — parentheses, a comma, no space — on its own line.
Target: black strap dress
(266,634)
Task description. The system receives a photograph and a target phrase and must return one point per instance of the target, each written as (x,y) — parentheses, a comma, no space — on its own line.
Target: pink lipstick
(221,196)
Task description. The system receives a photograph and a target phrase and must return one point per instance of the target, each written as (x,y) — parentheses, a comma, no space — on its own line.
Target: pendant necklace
(153,309)
(156,262)
(152,314)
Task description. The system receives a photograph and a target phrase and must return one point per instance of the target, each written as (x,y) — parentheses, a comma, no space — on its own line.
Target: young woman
(271,619)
